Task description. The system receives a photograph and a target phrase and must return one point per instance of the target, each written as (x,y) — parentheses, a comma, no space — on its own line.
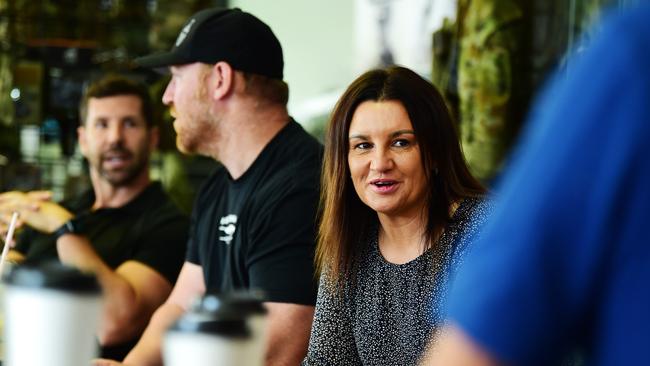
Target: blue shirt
(564,263)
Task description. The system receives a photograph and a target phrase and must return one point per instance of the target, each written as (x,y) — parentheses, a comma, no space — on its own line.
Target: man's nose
(115,133)
(168,95)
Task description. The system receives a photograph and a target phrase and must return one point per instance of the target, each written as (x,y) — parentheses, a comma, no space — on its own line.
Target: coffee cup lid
(234,304)
(52,275)
(232,328)
(222,314)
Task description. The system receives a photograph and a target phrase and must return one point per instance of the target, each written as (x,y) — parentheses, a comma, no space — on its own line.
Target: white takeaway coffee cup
(220,329)
(51,314)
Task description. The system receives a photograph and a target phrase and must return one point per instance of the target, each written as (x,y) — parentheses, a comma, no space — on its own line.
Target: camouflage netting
(167,19)
(490,63)
(489,68)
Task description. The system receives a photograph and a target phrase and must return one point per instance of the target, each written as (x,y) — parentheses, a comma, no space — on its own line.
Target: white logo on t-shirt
(184,32)
(227,227)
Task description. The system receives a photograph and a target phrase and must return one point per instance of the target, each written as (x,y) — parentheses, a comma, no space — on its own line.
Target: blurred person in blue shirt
(564,263)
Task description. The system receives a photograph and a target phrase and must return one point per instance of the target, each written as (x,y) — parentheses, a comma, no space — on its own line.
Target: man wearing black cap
(253,224)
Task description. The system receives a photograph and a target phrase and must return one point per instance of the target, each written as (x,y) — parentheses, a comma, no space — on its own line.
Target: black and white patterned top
(388,314)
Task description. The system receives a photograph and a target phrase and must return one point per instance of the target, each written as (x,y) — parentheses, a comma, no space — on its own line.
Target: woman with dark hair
(399,207)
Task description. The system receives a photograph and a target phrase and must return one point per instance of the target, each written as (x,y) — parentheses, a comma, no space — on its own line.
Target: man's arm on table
(288,325)
(131,293)
(455,348)
(147,352)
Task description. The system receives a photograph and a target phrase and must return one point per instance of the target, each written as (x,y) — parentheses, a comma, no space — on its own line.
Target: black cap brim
(160,60)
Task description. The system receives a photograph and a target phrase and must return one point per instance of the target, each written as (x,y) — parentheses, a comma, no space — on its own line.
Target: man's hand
(35,210)
(453,347)
(7,202)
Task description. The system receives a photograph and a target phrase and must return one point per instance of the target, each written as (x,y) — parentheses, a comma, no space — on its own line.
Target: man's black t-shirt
(259,231)
(149,229)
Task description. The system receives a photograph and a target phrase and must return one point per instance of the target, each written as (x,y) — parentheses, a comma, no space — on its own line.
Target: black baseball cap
(231,35)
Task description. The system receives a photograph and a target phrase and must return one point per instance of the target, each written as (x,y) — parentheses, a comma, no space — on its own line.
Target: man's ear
(81,136)
(222,80)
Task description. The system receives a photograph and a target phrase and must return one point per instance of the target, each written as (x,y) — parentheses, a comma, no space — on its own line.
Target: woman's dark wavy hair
(345,218)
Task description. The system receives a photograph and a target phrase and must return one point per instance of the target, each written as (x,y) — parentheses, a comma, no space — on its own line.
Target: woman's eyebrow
(402,132)
(358,136)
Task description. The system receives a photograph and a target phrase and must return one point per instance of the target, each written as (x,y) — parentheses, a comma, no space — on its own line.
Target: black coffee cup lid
(231,328)
(52,275)
(234,304)
(222,313)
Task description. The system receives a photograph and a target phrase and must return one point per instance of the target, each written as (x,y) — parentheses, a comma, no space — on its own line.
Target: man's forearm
(119,300)
(148,351)
(123,317)
(289,326)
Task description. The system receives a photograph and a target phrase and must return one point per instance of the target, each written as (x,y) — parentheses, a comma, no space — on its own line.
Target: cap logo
(184,32)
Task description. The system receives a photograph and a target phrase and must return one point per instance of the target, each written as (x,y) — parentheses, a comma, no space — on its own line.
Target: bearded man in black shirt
(125,229)
(254,221)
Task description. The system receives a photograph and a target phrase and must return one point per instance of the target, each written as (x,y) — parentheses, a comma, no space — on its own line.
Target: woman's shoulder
(471,216)
(469,220)
(475,209)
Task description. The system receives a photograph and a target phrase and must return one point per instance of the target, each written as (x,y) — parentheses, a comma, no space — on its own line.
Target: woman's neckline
(456,211)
